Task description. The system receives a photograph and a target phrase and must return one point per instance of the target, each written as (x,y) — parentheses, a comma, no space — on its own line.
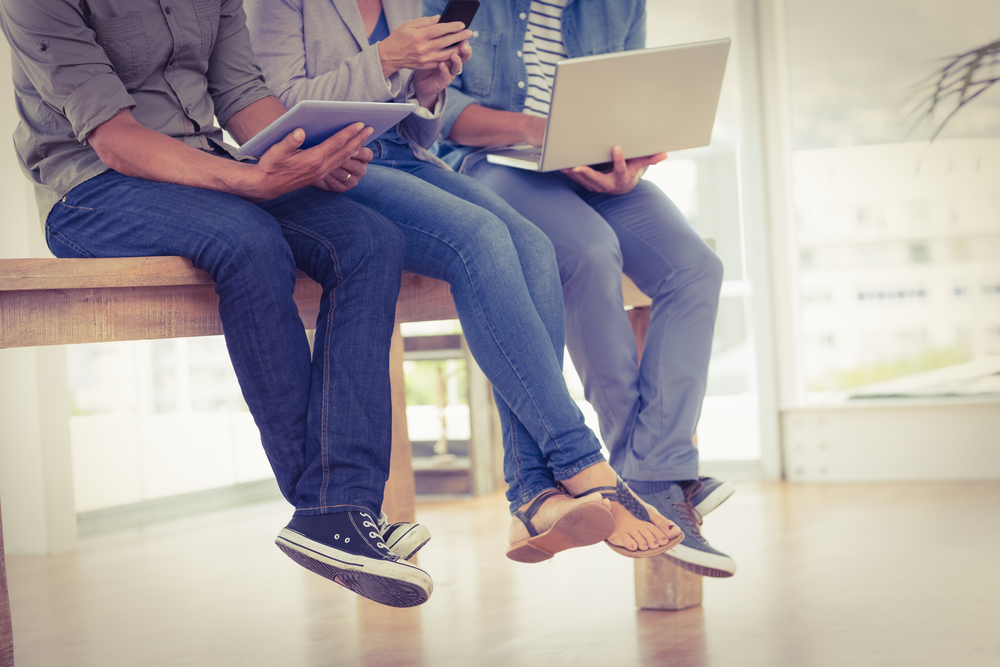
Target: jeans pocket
(62,246)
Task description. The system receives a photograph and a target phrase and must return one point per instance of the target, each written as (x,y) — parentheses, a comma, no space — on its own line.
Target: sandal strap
(623,495)
(528,514)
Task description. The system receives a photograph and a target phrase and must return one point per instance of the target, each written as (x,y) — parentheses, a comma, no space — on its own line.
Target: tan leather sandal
(579,527)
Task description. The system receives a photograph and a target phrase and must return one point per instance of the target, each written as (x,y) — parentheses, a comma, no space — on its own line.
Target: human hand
(621,180)
(429,82)
(421,44)
(534,129)
(347,176)
(286,167)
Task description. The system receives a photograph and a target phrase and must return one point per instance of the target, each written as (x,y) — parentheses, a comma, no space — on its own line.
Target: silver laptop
(647,101)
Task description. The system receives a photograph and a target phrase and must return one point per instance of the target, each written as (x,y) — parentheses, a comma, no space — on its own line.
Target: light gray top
(318,50)
(176,63)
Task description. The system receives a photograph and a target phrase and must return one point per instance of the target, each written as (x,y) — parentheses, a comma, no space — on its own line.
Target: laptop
(647,101)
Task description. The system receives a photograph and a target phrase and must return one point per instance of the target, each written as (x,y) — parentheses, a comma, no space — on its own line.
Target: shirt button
(166,9)
(520,55)
(522,16)
(475,33)
(520,84)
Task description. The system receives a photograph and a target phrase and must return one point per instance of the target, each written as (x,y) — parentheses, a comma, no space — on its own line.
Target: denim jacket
(496,77)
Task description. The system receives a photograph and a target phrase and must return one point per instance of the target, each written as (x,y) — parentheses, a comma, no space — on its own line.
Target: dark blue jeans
(325,420)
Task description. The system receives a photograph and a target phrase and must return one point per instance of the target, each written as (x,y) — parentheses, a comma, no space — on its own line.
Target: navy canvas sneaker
(403,539)
(694,553)
(347,548)
(707,493)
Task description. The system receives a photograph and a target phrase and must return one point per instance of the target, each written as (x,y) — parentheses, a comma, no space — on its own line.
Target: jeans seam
(327,507)
(66,240)
(325,410)
(489,327)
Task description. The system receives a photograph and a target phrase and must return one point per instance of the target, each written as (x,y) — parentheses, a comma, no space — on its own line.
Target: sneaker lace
(374,534)
(688,514)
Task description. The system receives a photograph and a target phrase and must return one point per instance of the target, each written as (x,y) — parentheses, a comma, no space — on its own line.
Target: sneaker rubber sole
(392,583)
(702,563)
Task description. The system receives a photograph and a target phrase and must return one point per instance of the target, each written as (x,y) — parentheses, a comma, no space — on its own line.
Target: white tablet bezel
(321,119)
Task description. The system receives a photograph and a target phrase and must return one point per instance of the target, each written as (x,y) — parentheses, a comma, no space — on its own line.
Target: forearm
(252,119)
(481,126)
(130,148)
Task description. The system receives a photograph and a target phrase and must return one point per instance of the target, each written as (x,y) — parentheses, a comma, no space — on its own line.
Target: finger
(345,143)
(331,184)
(289,144)
(352,168)
(452,38)
(340,173)
(364,154)
(589,178)
(464,51)
(647,161)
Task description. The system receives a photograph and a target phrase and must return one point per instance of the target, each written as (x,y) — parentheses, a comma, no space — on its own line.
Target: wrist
(531,129)
(390,65)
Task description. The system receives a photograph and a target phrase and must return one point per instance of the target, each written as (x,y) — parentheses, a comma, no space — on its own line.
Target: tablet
(322,119)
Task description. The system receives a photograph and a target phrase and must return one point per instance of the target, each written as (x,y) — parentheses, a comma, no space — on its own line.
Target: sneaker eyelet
(346,540)
(337,536)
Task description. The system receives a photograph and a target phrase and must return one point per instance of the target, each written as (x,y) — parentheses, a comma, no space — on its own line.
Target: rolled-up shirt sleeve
(234,79)
(59,55)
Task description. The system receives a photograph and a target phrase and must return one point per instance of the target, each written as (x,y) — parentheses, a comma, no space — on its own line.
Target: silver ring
(348,178)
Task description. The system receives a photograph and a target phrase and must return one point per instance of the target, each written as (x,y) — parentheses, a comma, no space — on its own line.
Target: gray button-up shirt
(178,64)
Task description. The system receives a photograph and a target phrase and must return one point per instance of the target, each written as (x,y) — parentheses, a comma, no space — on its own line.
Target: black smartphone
(460,10)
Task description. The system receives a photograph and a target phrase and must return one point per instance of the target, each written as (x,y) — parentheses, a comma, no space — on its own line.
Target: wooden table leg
(400,489)
(6,629)
(659,582)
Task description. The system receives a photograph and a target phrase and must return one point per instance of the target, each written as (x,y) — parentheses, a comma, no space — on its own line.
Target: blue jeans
(648,412)
(325,421)
(503,277)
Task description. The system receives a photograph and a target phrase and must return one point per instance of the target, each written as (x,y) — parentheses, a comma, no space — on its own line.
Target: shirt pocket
(479,74)
(123,39)
(208,23)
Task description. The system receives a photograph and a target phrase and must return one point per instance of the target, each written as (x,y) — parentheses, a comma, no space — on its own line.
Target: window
(907,224)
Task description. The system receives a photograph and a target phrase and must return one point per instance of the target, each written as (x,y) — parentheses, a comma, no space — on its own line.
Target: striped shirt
(543,48)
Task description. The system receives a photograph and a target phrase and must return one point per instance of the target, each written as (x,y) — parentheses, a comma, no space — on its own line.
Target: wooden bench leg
(659,582)
(6,629)
(398,503)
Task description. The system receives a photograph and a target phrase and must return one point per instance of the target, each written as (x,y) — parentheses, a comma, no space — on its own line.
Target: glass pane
(898,237)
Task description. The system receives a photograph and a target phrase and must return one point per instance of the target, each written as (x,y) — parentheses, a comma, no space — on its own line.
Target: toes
(651,536)
(625,541)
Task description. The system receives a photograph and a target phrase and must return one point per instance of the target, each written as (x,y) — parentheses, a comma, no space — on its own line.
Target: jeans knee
(593,257)
(711,270)
(258,247)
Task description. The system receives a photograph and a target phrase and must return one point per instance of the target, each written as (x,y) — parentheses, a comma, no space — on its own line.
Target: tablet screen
(322,119)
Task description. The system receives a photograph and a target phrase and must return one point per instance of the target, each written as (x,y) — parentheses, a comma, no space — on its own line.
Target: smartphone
(459,10)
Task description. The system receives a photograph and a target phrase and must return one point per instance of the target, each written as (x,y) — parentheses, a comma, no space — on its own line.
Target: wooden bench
(65,301)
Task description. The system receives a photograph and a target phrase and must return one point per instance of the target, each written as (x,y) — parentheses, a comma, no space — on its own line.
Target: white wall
(36,485)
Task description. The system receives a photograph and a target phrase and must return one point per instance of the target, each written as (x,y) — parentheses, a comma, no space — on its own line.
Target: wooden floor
(858,574)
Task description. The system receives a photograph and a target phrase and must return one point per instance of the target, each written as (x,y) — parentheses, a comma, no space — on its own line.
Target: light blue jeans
(648,412)
(503,277)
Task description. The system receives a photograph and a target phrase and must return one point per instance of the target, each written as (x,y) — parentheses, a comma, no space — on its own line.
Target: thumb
(290,143)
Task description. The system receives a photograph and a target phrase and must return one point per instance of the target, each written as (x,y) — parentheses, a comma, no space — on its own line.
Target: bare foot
(550,512)
(630,532)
